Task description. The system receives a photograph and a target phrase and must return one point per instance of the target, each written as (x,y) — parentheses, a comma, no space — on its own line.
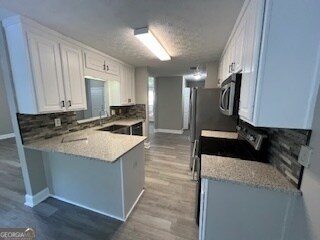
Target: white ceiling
(193,31)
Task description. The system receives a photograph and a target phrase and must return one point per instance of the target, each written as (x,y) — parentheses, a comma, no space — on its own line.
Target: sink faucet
(100,114)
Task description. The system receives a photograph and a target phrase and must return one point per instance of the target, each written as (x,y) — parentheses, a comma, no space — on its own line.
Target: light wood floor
(165,211)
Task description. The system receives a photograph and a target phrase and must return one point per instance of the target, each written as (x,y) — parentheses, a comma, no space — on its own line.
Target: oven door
(227,97)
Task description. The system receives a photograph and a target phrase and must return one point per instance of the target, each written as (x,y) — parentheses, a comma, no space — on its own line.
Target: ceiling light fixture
(150,41)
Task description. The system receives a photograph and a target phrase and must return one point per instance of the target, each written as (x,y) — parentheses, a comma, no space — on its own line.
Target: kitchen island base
(111,189)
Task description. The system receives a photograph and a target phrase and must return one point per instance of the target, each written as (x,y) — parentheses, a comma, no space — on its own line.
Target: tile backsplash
(283,153)
(36,127)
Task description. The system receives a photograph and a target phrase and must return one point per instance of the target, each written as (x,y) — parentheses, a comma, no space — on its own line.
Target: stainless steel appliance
(205,115)
(137,129)
(230,95)
(251,145)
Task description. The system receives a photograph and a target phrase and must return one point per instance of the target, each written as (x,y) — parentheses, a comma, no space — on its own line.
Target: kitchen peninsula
(96,170)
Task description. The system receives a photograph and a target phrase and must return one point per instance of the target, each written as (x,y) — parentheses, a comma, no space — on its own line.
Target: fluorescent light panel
(150,41)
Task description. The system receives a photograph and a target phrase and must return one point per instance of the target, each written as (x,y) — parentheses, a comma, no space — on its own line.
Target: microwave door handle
(222,106)
(225,100)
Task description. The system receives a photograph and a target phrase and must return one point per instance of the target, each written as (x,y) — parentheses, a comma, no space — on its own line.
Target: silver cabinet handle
(62,104)
(69,103)
(233,67)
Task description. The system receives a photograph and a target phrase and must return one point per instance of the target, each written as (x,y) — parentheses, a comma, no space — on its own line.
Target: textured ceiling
(192,31)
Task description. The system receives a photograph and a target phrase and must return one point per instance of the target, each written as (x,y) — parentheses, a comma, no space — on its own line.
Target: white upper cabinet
(47,74)
(74,85)
(252,22)
(231,60)
(99,66)
(127,85)
(279,63)
(238,44)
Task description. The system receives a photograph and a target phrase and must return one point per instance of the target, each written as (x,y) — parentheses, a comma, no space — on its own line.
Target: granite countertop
(255,174)
(91,143)
(126,122)
(219,134)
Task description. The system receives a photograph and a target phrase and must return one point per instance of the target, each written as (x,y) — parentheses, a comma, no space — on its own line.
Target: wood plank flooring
(165,211)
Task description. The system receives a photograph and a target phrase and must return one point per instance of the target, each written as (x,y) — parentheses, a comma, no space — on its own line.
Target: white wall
(186,105)
(169,107)
(212,75)
(306,218)
(141,92)
(5,120)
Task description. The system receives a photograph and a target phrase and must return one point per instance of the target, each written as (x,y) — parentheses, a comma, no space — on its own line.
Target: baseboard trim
(6,136)
(172,131)
(147,145)
(33,200)
(135,203)
(85,207)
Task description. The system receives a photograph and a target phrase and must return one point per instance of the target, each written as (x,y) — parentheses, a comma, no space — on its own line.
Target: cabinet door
(220,79)
(47,73)
(74,82)
(123,85)
(94,61)
(112,67)
(131,85)
(203,209)
(127,85)
(252,32)
(227,62)
(238,47)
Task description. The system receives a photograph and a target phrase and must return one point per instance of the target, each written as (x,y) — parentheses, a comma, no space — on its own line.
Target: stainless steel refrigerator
(205,115)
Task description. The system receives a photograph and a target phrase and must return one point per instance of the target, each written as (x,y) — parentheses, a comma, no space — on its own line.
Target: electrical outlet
(113,112)
(57,122)
(305,156)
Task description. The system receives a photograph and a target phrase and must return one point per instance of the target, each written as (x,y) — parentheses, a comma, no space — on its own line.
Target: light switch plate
(305,156)
(57,122)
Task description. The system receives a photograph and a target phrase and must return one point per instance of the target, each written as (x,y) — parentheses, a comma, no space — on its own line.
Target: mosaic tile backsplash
(36,127)
(284,148)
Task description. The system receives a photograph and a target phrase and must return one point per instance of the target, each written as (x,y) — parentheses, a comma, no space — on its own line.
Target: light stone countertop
(126,122)
(255,174)
(219,134)
(100,145)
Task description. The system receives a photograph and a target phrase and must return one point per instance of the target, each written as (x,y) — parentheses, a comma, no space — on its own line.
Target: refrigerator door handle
(194,157)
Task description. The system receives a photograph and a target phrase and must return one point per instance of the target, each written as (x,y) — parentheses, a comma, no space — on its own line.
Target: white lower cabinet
(231,211)
(47,72)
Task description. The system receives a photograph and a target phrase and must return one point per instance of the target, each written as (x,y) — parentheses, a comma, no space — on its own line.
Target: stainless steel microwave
(230,95)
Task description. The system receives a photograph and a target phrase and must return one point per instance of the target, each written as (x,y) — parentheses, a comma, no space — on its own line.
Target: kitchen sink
(112,128)
(120,129)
